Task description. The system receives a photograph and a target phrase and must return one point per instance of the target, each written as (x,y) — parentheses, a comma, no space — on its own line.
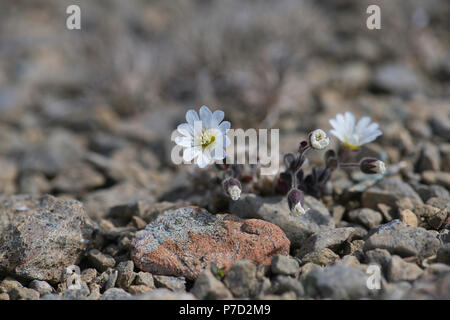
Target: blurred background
(88,113)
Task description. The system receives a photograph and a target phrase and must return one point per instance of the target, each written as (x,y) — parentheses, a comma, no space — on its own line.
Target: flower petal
(203,160)
(185,129)
(206,116)
(362,124)
(371,137)
(225,126)
(190,153)
(183,141)
(337,134)
(218,154)
(217,117)
(191,116)
(349,121)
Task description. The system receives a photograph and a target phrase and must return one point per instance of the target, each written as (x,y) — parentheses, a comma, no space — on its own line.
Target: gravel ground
(91,207)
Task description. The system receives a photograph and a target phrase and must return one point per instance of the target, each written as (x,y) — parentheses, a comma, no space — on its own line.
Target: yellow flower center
(207,138)
(351,147)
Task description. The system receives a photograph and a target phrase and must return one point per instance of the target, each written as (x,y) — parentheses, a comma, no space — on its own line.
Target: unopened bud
(295,200)
(318,139)
(233,188)
(372,166)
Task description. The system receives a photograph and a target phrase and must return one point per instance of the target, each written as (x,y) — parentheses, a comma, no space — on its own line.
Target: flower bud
(233,188)
(318,139)
(295,200)
(372,166)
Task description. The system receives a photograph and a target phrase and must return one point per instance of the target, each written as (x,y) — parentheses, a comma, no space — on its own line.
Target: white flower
(234,192)
(204,138)
(351,135)
(298,209)
(319,139)
(380,167)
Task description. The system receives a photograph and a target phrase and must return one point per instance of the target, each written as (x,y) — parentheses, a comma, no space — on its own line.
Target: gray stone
(100,260)
(431,217)
(40,236)
(399,270)
(331,239)
(367,217)
(430,191)
(171,283)
(397,78)
(81,293)
(337,282)
(115,294)
(443,254)
(241,279)
(126,274)
(276,211)
(144,278)
(388,191)
(403,240)
(283,284)
(441,126)
(207,286)
(139,289)
(284,265)
(88,275)
(381,257)
(41,286)
(429,158)
(21,293)
(322,257)
(164,294)
(99,203)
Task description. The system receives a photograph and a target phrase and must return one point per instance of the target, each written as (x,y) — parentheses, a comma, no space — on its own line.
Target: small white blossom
(351,135)
(234,192)
(319,139)
(298,209)
(203,138)
(380,167)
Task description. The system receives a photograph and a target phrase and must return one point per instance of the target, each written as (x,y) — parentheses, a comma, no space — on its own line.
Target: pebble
(408,217)
(285,265)
(207,286)
(241,279)
(41,286)
(171,283)
(388,191)
(403,240)
(336,282)
(399,270)
(367,217)
(100,260)
(126,274)
(115,294)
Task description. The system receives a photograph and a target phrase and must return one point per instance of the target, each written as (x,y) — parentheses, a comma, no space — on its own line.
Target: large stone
(276,211)
(336,282)
(388,191)
(184,241)
(40,236)
(403,240)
